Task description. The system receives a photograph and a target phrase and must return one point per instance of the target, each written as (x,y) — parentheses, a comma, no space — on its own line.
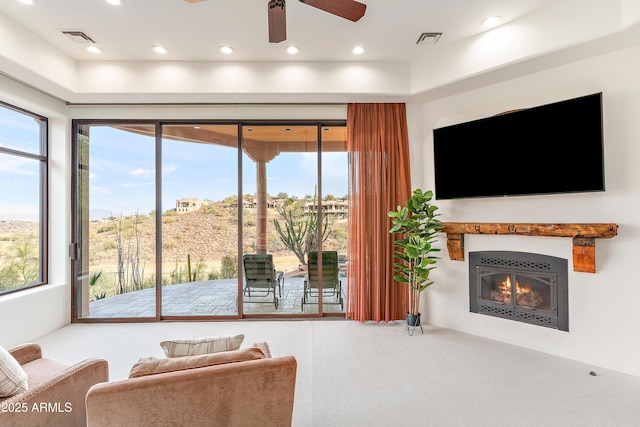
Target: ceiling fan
(347,9)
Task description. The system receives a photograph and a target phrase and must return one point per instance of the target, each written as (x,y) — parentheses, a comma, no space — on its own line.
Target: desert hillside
(208,234)
(12,231)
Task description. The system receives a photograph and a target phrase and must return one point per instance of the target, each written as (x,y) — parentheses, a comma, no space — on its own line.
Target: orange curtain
(380,180)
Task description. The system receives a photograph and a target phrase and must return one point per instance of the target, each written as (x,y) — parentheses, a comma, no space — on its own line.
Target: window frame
(43,197)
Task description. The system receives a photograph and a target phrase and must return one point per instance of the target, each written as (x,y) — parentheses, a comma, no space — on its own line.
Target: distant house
(188,205)
(250,202)
(336,208)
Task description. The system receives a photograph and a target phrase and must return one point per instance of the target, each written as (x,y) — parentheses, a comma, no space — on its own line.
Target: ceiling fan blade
(277,21)
(347,9)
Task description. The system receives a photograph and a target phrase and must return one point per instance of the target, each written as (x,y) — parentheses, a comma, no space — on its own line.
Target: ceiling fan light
(491,21)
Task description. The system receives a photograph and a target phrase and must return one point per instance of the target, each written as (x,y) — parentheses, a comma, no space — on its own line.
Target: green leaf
(395,228)
(424,286)
(412,251)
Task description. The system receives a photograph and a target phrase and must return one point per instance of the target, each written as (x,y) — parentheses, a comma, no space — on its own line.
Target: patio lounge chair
(260,277)
(331,284)
(342,265)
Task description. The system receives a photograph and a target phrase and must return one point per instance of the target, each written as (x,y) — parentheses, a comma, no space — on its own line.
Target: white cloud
(147,173)
(142,172)
(168,169)
(19,166)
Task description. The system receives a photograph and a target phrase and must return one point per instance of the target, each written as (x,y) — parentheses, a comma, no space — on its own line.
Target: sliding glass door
(280,182)
(335,217)
(199,220)
(115,245)
(167,215)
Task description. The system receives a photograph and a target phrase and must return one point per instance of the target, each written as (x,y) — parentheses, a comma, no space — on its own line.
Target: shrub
(21,266)
(229,267)
(213,274)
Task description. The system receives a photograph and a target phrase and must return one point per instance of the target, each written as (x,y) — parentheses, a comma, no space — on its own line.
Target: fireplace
(524,287)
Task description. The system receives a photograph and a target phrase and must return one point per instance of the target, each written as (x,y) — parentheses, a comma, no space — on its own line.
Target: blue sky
(122,172)
(19,177)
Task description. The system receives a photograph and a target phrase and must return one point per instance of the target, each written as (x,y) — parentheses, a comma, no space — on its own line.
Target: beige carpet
(352,374)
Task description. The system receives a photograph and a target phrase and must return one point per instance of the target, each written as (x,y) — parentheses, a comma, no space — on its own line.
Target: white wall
(603,306)
(212,112)
(29,314)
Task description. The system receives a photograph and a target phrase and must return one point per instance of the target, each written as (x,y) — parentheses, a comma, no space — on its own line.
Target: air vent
(78,36)
(428,38)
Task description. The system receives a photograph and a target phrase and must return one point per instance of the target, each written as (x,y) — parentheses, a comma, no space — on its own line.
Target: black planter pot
(413,321)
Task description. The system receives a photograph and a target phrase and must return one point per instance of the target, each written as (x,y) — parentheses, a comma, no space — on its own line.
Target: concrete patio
(208,298)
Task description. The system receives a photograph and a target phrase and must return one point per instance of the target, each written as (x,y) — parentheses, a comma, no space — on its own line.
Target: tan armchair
(56,394)
(233,388)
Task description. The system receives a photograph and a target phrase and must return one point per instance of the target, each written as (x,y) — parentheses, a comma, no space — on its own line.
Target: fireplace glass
(523,290)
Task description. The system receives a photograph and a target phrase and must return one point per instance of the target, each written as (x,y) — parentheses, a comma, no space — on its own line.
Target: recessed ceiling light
(358,50)
(226,49)
(29,2)
(293,50)
(94,49)
(159,49)
(491,21)
(114,2)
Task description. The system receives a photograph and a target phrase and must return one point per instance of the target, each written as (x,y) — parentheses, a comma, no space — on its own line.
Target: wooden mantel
(584,237)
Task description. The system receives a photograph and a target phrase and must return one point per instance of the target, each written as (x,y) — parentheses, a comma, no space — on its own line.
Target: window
(23,175)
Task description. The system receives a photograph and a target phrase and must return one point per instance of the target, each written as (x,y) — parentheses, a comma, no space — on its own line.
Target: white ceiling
(533,35)
(193,31)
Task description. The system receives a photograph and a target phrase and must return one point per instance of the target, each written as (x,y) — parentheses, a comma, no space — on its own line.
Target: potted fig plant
(415,253)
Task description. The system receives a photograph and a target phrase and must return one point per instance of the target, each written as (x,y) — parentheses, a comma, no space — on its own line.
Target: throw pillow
(13,379)
(193,347)
(152,366)
(264,347)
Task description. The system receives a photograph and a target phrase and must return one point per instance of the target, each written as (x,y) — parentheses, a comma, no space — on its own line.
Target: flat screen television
(549,149)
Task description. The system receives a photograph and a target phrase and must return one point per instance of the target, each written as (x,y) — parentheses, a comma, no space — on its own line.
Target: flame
(524,294)
(504,288)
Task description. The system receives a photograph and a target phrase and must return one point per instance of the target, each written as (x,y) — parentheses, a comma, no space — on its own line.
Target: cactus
(300,232)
